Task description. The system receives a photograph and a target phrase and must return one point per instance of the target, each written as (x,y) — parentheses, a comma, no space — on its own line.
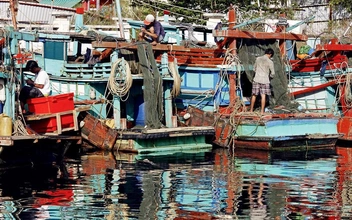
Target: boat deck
(56,136)
(13,140)
(165,132)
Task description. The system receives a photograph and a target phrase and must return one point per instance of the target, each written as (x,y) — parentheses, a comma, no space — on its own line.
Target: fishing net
(153,90)
(131,59)
(249,50)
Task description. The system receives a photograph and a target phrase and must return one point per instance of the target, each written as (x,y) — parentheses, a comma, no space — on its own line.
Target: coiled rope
(120,79)
(348,95)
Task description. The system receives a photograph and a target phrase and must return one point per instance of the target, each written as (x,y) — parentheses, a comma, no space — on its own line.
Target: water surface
(221,184)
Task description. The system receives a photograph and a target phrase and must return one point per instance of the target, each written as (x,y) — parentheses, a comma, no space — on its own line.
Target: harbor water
(218,184)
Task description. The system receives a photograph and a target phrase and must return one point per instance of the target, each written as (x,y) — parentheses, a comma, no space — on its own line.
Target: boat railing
(87,71)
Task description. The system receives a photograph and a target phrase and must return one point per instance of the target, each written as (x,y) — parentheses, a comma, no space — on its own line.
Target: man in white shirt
(38,88)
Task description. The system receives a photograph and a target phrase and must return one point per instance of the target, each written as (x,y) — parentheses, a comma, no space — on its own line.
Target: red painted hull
(314,65)
(295,142)
(344,126)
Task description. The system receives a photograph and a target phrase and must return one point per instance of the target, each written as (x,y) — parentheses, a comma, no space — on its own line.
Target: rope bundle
(348,93)
(176,88)
(120,79)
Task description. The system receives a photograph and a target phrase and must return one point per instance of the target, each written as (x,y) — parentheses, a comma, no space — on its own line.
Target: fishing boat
(288,126)
(130,104)
(323,84)
(210,78)
(39,138)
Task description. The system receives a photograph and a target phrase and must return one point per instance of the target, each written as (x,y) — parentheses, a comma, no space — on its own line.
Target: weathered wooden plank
(259,35)
(133,46)
(75,120)
(51,115)
(179,129)
(58,123)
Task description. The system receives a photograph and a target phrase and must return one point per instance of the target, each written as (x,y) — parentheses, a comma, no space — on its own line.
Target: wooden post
(174,121)
(282,42)
(168,106)
(167,94)
(117,112)
(123,123)
(58,123)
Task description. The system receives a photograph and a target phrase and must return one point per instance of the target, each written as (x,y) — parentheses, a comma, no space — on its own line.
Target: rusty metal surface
(97,133)
(199,117)
(223,132)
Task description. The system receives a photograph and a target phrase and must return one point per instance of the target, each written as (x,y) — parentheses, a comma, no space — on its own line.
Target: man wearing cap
(152,31)
(38,88)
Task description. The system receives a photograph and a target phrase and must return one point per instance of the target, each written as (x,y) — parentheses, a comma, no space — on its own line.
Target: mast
(118,10)
(14,9)
(232,47)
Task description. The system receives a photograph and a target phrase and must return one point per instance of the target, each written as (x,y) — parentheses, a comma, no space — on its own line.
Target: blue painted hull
(287,133)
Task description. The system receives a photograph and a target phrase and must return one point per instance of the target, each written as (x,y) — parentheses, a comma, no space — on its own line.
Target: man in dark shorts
(263,68)
(153,31)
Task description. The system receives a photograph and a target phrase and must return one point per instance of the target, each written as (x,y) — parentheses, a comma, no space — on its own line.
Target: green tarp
(61,3)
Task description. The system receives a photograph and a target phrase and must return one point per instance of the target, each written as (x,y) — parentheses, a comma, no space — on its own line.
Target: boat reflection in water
(200,185)
(290,184)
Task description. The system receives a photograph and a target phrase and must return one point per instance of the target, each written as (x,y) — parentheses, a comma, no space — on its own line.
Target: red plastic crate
(51,104)
(50,125)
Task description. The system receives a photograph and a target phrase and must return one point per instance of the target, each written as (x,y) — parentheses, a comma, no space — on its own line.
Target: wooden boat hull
(344,126)
(144,141)
(288,132)
(284,143)
(272,156)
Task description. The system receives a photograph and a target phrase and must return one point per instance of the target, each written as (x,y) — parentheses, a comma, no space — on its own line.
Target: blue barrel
(1,107)
(139,111)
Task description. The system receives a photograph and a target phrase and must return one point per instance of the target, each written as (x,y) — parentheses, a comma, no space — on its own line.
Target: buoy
(5,125)
(186,116)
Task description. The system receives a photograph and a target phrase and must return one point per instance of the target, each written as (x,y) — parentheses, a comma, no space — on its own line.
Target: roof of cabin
(61,3)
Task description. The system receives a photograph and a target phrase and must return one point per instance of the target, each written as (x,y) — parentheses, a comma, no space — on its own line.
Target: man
(38,88)
(152,31)
(263,68)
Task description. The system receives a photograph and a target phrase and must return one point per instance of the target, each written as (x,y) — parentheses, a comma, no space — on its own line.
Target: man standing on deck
(38,88)
(263,68)
(153,31)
